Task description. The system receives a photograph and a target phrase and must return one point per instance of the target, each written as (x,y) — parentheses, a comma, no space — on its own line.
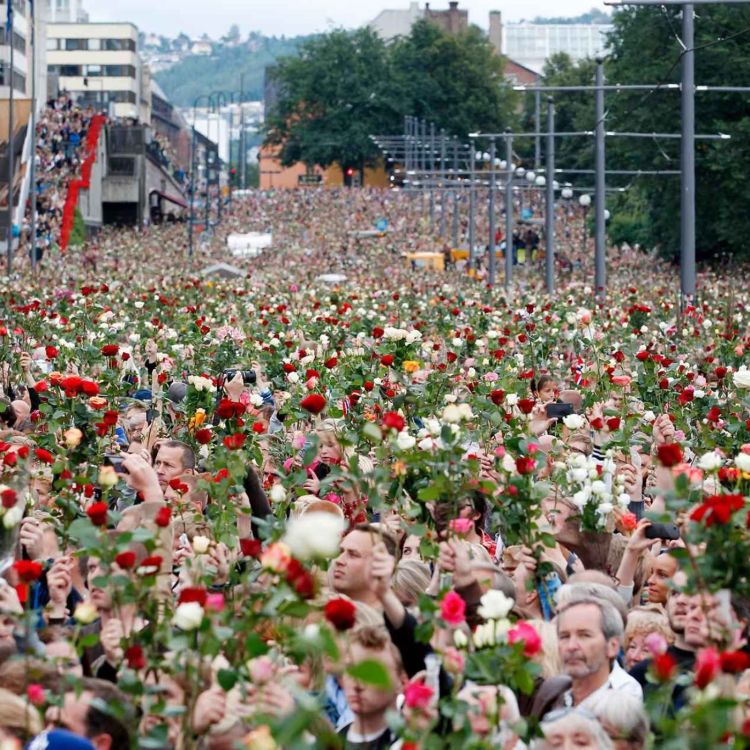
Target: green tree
(332,98)
(645,49)
(454,80)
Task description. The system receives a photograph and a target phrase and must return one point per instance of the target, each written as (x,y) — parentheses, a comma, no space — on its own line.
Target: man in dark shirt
(369,704)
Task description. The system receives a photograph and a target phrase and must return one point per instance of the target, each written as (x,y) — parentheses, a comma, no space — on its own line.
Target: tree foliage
(345,86)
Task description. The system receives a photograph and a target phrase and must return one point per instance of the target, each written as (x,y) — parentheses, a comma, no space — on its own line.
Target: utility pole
(509,211)
(491,211)
(32,165)
(549,213)
(455,193)
(431,174)
(687,160)
(11,165)
(538,129)
(472,199)
(600,247)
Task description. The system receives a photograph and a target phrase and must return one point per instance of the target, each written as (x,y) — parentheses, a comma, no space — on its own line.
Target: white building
(98,63)
(531,44)
(390,24)
(214,126)
(21,52)
(66,11)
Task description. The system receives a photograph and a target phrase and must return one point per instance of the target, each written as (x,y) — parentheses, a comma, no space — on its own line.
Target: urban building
(66,11)
(452,21)
(98,64)
(532,44)
(391,24)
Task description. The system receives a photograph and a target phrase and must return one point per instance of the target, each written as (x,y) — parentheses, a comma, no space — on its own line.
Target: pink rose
(656,643)
(261,670)
(35,694)
(453,608)
(215,602)
(453,661)
(461,526)
(491,377)
(526,634)
(299,440)
(417,695)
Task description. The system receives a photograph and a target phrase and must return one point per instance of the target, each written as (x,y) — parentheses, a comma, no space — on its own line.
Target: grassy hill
(202,74)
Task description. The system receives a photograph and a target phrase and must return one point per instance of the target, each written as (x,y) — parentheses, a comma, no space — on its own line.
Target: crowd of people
(61,131)
(401,509)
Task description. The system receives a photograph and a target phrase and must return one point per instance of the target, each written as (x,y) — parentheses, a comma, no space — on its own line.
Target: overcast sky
(291,17)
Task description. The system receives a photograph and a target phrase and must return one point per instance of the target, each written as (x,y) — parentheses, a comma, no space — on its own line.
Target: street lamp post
(455,193)
(193,167)
(491,211)
(508,211)
(549,214)
(600,251)
(472,198)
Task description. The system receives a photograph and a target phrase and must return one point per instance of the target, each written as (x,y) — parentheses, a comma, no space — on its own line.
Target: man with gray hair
(589,634)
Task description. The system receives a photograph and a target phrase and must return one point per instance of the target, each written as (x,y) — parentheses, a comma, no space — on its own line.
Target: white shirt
(618,680)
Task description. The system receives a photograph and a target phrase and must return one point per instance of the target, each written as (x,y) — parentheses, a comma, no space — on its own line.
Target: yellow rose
(410,365)
(107,476)
(72,437)
(85,613)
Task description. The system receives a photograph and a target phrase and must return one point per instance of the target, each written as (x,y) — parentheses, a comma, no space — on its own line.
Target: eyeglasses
(561,713)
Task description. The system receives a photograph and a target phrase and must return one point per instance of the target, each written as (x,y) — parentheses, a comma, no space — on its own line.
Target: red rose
(453,608)
(717,509)
(314,403)
(613,424)
(203,436)
(734,662)
(619,356)
(110,350)
(642,355)
(497,396)
(28,570)
(51,352)
(664,667)
(386,360)
(369,385)
(97,513)
(707,664)
(331,362)
(288,367)
(135,657)
(525,464)
(163,516)
(193,594)
(71,384)
(110,418)
(714,414)
(526,405)
(10,459)
(125,560)
(393,421)
(228,409)
(720,372)
(89,387)
(300,580)
(377,332)
(251,547)
(234,442)
(669,454)
(341,613)
(451,357)
(259,428)
(8,497)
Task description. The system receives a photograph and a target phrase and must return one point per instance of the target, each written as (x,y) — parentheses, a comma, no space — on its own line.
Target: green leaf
(371,672)
(372,433)
(227,678)
(88,640)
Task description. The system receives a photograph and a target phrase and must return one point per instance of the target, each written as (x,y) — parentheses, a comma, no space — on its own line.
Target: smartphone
(116,463)
(321,471)
(558,410)
(662,531)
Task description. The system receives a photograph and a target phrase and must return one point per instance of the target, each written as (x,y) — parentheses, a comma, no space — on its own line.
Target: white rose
(649,416)
(581,497)
(604,508)
(406,442)
(742,462)
(413,336)
(741,378)
(511,399)
(459,639)
(188,616)
(450,398)
(494,605)
(598,487)
(579,475)
(472,373)
(201,544)
(457,342)
(292,377)
(709,461)
(85,613)
(573,421)
(13,516)
(451,414)
(314,535)
(277,493)
(427,444)
(256,400)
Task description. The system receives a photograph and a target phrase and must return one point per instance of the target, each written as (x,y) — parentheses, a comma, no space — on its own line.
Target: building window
(53,44)
(76,44)
(92,70)
(118,45)
(95,44)
(70,70)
